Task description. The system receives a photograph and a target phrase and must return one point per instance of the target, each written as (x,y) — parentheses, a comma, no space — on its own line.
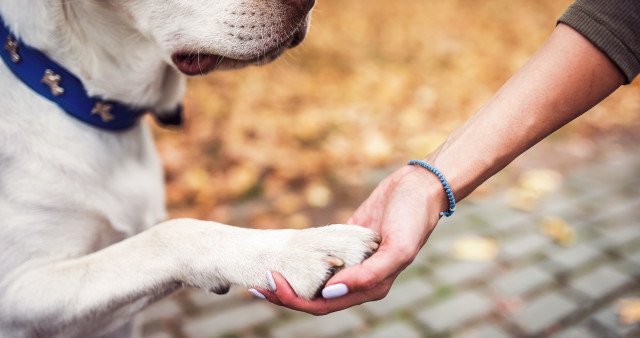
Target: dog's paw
(312,256)
(214,256)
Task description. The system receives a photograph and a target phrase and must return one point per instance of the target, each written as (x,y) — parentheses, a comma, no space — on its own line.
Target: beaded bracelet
(447,189)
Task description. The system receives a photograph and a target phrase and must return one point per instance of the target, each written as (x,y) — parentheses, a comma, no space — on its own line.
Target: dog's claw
(373,246)
(335,262)
(377,238)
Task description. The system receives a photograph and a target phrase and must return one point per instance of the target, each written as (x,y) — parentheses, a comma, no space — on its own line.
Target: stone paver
(620,236)
(577,332)
(607,319)
(235,319)
(483,331)
(442,247)
(498,218)
(567,259)
(601,282)
(635,258)
(337,324)
(460,272)
(521,281)
(524,245)
(535,288)
(401,296)
(543,312)
(455,311)
(614,212)
(159,334)
(398,329)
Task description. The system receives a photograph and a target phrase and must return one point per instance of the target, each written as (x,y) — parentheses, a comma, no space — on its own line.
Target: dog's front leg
(90,295)
(93,294)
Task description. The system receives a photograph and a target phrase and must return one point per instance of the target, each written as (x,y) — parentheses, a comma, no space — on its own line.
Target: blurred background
(302,141)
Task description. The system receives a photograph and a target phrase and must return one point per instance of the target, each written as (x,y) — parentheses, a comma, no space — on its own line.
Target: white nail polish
(272,283)
(257,294)
(335,291)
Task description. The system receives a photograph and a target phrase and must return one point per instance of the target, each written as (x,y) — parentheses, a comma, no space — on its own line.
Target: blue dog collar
(53,82)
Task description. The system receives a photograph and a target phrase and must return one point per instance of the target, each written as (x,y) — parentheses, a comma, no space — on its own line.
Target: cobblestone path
(535,288)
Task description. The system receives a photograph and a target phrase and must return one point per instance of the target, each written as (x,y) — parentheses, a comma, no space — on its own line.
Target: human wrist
(429,188)
(445,185)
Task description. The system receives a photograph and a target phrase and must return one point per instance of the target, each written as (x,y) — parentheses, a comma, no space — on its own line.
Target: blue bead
(445,185)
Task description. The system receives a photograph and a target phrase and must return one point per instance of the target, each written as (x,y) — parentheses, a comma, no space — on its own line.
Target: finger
(322,306)
(270,296)
(383,265)
(286,296)
(282,285)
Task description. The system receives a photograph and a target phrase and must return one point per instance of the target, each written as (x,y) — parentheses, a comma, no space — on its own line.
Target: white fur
(80,252)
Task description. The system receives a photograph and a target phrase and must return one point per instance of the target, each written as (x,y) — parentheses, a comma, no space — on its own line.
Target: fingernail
(335,291)
(272,283)
(257,294)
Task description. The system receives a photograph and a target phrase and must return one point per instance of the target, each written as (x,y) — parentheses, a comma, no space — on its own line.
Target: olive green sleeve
(611,25)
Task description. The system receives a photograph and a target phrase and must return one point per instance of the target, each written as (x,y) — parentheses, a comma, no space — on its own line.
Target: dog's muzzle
(191,63)
(263,41)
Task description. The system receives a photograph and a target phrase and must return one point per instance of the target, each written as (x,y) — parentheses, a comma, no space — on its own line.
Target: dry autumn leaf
(241,178)
(474,248)
(318,195)
(288,203)
(377,148)
(629,311)
(532,186)
(298,221)
(523,199)
(558,230)
(541,181)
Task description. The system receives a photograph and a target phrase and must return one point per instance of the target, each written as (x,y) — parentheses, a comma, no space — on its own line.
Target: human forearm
(564,79)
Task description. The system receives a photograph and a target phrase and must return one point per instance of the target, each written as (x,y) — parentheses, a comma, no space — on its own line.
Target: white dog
(78,204)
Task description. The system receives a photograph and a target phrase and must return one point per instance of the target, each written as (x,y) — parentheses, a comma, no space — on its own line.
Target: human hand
(404,209)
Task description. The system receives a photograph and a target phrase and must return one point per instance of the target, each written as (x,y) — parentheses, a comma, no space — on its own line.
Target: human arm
(564,79)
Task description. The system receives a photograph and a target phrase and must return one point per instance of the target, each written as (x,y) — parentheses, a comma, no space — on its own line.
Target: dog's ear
(171,118)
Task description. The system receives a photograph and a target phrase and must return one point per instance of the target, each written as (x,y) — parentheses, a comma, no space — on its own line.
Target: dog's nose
(298,37)
(301,5)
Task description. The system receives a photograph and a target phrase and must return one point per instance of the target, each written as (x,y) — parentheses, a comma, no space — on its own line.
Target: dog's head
(199,36)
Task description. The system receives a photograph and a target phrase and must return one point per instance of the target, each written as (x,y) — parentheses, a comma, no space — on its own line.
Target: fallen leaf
(377,148)
(629,311)
(532,186)
(475,248)
(241,178)
(558,230)
(522,199)
(298,221)
(288,203)
(540,181)
(196,178)
(343,215)
(318,195)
